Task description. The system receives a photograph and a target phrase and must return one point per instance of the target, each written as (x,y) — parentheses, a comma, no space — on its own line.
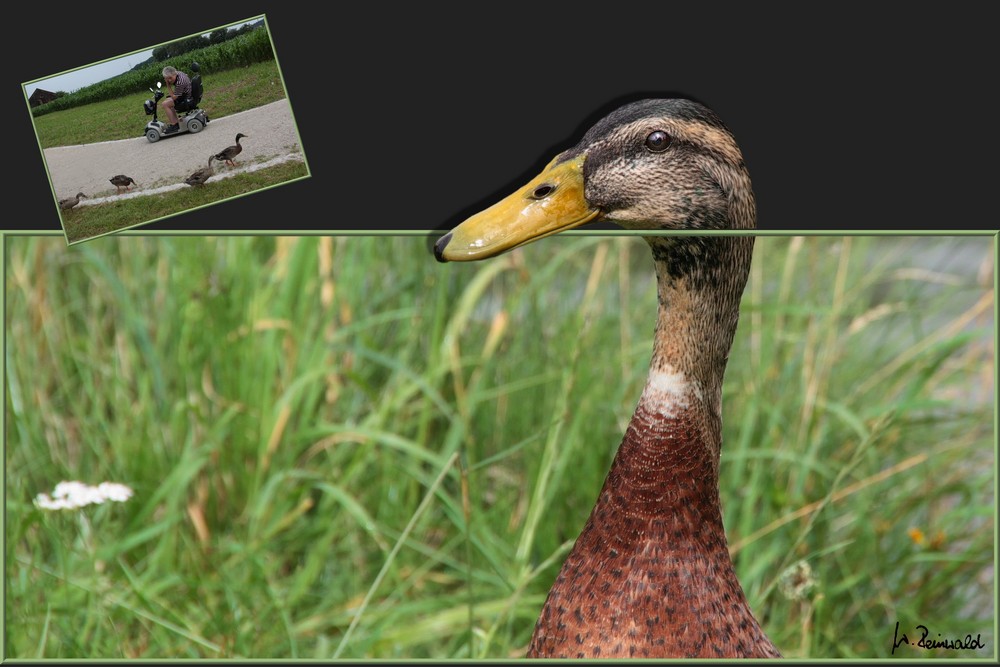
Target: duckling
(227,154)
(122,181)
(651,575)
(199,177)
(70,202)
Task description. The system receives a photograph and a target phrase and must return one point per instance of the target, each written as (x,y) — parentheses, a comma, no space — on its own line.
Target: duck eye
(658,141)
(543,191)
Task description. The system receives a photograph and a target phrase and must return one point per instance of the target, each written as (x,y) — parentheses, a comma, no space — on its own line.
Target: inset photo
(154,133)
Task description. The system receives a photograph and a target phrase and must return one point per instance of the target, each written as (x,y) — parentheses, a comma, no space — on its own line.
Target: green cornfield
(253,47)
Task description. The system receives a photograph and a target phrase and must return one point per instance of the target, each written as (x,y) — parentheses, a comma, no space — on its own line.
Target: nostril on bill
(543,191)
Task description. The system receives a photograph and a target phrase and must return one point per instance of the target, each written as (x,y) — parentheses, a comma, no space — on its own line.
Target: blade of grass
(424,504)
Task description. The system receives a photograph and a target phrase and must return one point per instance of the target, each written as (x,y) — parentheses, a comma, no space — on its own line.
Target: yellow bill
(551,202)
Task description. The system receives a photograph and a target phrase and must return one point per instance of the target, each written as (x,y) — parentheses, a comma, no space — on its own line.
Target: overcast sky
(87,75)
(71,81)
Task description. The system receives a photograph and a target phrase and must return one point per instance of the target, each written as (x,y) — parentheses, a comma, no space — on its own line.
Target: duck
(70,202)
(650,575)
(199,177)
(227,154)
(122,181)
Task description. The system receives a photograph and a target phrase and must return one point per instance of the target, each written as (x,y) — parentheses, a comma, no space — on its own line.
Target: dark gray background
(850,118)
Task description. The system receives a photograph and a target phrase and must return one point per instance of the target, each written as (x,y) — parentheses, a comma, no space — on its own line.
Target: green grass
(226,92)
(340,447)
(85,222)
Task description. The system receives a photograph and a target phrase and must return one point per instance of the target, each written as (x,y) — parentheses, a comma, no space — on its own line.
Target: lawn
(226,93)
(85,222)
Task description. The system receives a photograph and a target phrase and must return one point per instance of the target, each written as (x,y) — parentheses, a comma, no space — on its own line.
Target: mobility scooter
(193,120)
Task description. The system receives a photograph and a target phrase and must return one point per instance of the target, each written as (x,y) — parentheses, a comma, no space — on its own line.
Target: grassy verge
(85,222)
(226,93)
(341,448)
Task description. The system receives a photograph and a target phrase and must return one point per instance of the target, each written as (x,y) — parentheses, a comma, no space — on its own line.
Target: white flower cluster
(74,495)
(797,580)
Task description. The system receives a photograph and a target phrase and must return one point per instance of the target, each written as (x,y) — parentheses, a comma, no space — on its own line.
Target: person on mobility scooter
(185,95)
(178,96)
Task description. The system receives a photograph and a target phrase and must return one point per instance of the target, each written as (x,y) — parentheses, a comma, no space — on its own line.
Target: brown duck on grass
(651,576)
(227,154)
(122,181)
(199,177)
(70,202)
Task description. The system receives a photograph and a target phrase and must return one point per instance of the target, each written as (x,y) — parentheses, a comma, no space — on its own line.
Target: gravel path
(270,131)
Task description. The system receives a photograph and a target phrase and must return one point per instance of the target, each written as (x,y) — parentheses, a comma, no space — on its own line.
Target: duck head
(659,164)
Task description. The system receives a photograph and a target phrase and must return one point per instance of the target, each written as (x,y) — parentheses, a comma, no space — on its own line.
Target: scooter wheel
(152,135)
(194,125)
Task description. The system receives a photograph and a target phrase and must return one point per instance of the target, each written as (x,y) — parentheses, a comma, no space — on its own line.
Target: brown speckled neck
(651,575)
